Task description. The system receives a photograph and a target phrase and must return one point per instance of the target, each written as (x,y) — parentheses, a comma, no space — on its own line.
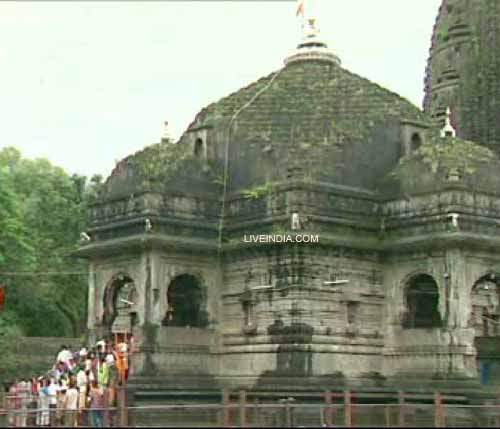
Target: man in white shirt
(64,355)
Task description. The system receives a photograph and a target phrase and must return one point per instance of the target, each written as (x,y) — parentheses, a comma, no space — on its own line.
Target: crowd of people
(79,390)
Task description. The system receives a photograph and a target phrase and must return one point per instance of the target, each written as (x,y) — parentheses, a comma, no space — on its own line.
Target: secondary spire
(448,130)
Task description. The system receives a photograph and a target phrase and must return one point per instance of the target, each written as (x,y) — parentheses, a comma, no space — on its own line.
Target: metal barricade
(343,410)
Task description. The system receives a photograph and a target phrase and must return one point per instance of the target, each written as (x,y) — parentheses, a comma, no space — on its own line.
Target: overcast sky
(87,83)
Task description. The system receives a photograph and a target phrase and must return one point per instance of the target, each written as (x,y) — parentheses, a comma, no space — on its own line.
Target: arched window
(422,301)
(198,148)
(119,302)
(185,303)
(416,142)
(485,311)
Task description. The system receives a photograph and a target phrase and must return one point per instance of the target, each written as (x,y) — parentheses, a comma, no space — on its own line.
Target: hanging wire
(43,273)
(226,154)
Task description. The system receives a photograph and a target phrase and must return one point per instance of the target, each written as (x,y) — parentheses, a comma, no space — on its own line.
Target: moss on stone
(449,153)
(446,160)
(259,191)
(314,99)
(159,162)
(157,167)
(311,120)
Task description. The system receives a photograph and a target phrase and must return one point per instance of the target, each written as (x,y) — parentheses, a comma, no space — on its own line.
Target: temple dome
(311,119)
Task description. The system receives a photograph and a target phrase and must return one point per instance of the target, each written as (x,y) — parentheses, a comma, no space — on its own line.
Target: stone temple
(402,285)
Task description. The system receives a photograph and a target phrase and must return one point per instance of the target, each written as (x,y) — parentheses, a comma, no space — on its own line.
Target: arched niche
(198,148)
(120,298)
(416,142)
(485,306)
(186,303)
(422,303)
(484,319)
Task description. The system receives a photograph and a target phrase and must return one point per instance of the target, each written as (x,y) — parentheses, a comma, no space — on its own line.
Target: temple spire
(312,46)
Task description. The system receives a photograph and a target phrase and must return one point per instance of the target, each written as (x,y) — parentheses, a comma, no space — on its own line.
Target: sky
(85,84)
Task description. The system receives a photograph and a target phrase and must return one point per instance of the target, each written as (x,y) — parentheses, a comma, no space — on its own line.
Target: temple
(400,289)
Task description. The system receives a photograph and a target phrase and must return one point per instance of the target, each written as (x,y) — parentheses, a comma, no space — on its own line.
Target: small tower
(448,130)
(311,46)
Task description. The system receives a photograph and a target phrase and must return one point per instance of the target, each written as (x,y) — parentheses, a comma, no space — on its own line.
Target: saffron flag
(2,297)
(300,8)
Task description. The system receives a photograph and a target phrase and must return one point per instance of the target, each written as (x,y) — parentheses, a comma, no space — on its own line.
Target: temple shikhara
(402,288)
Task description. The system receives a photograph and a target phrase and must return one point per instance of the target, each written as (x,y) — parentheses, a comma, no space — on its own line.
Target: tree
(42,211)
(9,331)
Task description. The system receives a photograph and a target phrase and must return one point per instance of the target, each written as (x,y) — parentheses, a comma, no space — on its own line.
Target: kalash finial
(166,137)
(312,47)
(448,130)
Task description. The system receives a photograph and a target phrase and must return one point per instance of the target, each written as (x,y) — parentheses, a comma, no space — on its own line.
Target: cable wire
(226,154)
(43,273)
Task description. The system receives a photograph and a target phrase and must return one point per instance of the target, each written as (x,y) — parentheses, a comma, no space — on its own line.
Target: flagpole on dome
(301,10)
(311,47)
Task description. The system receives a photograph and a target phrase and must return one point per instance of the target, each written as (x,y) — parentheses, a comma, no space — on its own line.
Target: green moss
(443,34)
(450,154)
(259,191)
(310,103)
(440,160)
(159,162)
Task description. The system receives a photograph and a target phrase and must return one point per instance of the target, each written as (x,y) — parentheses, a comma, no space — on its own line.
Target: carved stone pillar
(455,283)
(91,314)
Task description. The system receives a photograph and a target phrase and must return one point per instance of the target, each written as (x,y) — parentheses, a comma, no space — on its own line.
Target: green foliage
(42,211)
(444,31)
(9,331)
(259,191)
(13,236)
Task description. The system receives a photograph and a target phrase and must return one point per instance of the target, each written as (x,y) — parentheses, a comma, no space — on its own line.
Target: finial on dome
(166,137)
(448,130)
(311,46)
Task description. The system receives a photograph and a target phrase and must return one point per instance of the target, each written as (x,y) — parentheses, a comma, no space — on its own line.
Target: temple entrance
(422,303)
(119,302)
(485,320)
(185,303)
